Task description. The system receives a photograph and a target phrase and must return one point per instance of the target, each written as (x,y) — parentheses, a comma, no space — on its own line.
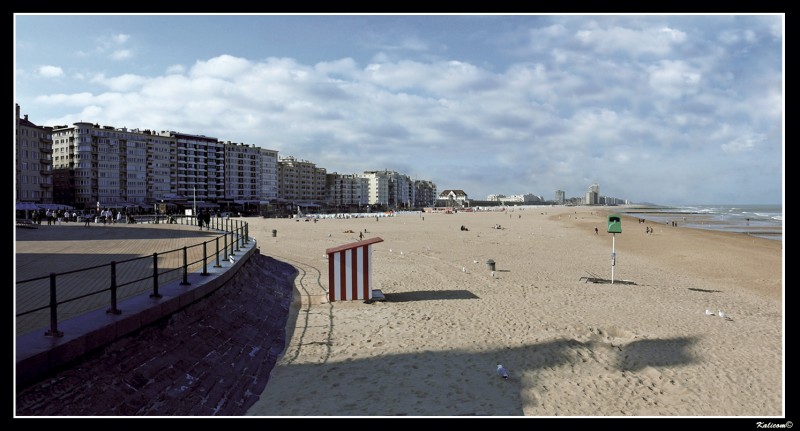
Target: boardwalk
(73,246)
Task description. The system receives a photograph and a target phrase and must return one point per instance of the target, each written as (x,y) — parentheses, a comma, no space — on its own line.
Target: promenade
(84,322)
(72,246)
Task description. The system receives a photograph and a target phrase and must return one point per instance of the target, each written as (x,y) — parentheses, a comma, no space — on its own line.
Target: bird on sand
(501,371)
(723,315)
(709,312)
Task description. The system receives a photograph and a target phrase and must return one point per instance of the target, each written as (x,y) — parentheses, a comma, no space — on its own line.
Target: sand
(571,348)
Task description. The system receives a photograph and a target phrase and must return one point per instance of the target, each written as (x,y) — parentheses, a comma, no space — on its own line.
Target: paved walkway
(73,246)
(84,297)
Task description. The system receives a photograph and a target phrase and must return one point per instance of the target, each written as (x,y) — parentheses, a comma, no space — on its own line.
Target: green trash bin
(614,223)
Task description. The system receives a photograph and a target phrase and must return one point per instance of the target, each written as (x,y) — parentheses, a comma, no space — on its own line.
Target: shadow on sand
(429,295)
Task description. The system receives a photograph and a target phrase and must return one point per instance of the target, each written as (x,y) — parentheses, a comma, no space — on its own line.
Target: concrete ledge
(38,354)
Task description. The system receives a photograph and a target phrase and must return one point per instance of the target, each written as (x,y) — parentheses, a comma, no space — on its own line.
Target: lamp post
(194,202)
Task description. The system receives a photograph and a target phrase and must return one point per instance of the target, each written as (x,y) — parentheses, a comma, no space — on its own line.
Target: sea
(764,221)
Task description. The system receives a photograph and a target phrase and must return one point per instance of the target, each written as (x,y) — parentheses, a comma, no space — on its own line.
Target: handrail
(147,265)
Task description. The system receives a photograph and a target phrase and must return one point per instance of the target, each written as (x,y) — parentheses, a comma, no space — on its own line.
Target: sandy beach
(643,346)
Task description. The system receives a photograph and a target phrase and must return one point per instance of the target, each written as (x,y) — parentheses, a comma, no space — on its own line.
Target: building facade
(300,180)
(162,167)
(200,167)
(33,161)
(268,179)
(100,165)
(453,198)
(592,195)
(561,196)
(242,172)
(377,187)
(345,191)
(424,193)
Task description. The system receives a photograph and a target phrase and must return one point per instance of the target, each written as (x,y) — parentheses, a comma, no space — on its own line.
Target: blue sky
(671,109)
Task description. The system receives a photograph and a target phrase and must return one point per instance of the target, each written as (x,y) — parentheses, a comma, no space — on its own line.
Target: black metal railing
(59,296)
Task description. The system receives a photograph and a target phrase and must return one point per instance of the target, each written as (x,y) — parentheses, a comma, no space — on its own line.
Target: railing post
(217,253)
(232,240)
(246,233)
(113,309)
(238,238)
(205,269)
(225,248)
(185,281)
(53,332)
(155,293)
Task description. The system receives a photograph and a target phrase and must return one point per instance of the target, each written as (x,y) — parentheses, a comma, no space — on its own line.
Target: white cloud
(742,144)
(76,99)
(50,71)
(176,69)
(113,46)
(674,78)
(126,82)
(120,38)
(222,66)
(655,41)
(121,54)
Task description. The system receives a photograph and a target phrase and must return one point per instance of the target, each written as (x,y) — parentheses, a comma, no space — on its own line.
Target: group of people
(204,218)
(54,216)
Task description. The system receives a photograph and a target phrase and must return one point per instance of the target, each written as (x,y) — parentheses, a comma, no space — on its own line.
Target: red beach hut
(350,271)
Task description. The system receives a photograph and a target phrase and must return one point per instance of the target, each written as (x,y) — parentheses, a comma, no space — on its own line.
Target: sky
(669,109)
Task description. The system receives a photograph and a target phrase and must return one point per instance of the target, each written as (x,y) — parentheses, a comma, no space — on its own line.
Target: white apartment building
(200,167)
(561,196)
(33,161)
(592,195)
(268,179)
(242,172)
(345,190)
(300,180)
(104,165)
(377,187)
(390,188)
(162,162)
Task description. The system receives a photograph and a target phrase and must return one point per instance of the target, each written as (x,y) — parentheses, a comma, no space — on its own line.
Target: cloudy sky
(670,109)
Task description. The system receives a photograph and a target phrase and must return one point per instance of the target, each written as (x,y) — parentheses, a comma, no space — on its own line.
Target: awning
(55,206)
(206,205)
(27,206)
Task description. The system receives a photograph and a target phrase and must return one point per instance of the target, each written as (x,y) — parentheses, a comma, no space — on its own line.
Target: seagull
(709,312)
(474,261)
(401,253)
(501,371)
(722,314)
(463,269)
(231,259)
(492,274)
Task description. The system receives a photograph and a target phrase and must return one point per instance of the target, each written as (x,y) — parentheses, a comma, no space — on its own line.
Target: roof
(363,243)
(456,192)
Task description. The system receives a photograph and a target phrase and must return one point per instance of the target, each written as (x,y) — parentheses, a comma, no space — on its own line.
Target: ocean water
(765,221)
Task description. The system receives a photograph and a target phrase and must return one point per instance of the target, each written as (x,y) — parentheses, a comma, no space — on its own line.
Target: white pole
(613,255)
